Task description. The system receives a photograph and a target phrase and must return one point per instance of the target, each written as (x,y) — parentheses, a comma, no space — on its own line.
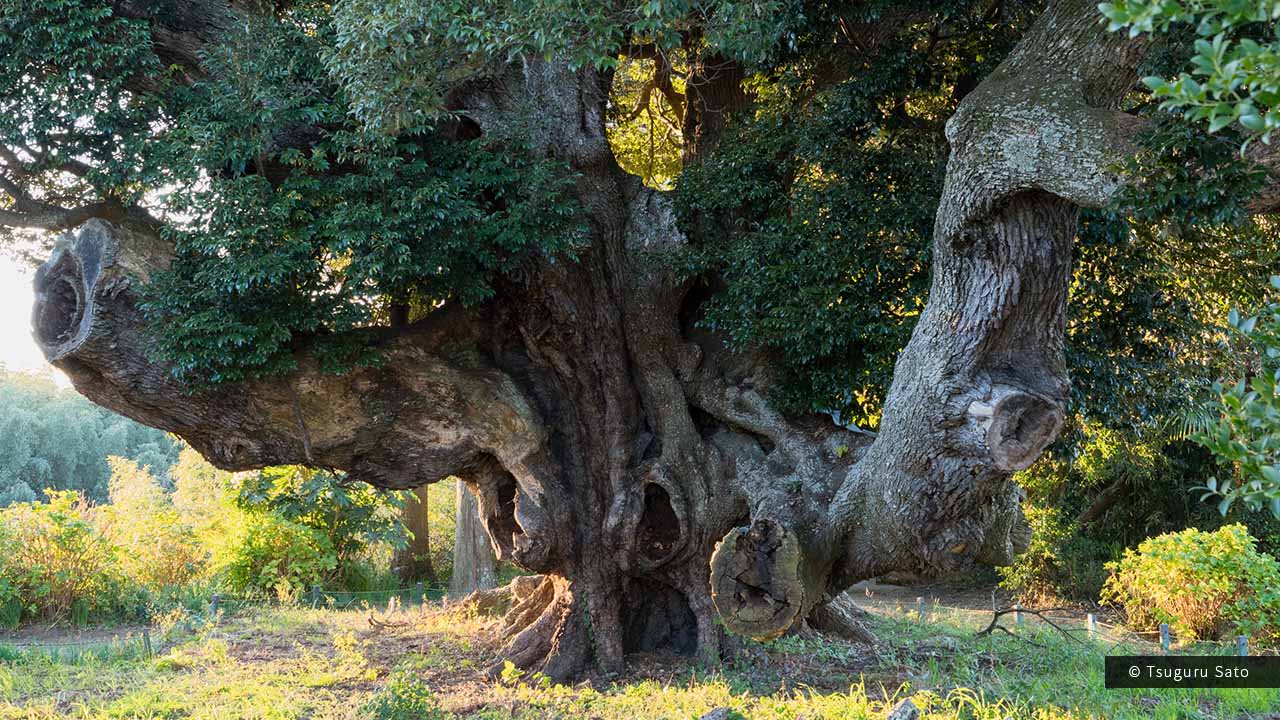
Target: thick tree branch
(429,414)
(981,388)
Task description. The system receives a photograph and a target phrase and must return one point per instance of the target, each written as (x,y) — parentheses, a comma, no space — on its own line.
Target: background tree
(52,438)
(474,565)
(394,240)
(413,561)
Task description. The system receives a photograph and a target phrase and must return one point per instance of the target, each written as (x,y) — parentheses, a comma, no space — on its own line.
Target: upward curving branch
(981,388)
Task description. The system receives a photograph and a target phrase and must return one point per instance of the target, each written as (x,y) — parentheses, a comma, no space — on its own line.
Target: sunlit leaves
(1235,67)
(399,59)
(75,101)
(644,129)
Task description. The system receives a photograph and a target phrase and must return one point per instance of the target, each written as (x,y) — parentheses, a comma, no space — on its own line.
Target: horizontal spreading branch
(426,415)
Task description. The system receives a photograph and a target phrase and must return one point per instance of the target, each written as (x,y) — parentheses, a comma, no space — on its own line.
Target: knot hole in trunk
(60,303)
(658,537)
(1022,426)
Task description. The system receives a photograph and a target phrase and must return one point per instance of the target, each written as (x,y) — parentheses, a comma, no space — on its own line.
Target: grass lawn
(288,662)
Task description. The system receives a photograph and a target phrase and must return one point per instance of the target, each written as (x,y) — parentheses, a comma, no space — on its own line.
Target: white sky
(17,350)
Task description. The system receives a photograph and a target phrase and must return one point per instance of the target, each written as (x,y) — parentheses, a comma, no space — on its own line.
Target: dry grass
(304,663)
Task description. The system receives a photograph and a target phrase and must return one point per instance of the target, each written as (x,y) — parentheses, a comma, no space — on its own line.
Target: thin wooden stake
(1242,645)
(1164,637)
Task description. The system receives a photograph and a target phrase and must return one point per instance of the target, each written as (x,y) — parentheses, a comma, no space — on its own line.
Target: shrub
(351,515)
(404,697)
(1203,584)
(56,565)
(270,553)
(158,550)
(1241,424)
(1059,562)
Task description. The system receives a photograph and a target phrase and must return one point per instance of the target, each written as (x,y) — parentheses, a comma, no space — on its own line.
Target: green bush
(158,549)
(56,566)
(1241,424)
(1102,488)
(270,553)
(1203,584)
(1059,562)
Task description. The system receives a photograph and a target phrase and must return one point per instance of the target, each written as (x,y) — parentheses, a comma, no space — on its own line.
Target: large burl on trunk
(618,449)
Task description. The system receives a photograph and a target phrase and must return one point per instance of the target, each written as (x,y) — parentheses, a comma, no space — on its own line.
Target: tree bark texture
(617,448)
(474,564)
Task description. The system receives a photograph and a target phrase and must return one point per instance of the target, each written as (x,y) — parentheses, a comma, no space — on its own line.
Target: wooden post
(1242,645)
(920,608)
(1164,638)
(419,593)
(315,595)
(1017,614)
(1093,625)
(146,641)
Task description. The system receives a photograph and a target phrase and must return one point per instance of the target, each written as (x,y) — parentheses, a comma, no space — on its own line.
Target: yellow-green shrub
(269,553)
(56,565)
(1203,584)
(158,549)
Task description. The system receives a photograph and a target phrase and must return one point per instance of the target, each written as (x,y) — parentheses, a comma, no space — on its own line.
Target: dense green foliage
(1242,427)
(69,110)
(1235,75)
(306,525)
(1103,490)
(1205,585)
(294,224)
(399,59)
(312,241)
(56,565)
(52,437)
(318,186)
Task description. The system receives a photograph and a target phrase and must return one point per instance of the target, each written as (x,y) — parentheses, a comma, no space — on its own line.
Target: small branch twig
(995,622)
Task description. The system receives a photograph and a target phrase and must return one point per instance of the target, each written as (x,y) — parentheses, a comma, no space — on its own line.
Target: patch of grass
(281,662)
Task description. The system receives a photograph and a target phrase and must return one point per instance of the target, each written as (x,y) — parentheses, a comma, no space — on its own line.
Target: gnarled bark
(621,451)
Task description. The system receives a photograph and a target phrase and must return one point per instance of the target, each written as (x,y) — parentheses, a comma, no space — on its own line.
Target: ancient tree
(615,442)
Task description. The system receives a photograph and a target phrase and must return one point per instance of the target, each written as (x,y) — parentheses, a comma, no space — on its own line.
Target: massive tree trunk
(474,565)
(620,450)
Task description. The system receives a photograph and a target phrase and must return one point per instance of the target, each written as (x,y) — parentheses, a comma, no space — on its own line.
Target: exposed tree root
(842,618)
(547,629)
(500,600)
